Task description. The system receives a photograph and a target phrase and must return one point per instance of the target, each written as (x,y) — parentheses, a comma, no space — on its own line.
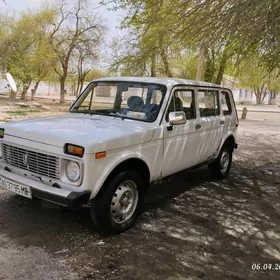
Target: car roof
(169,82)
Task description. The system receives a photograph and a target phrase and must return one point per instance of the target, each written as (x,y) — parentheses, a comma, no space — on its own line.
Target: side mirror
(71,103)
(178,117)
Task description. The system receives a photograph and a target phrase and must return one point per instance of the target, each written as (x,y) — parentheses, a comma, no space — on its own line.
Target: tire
(220,168)
(126,189)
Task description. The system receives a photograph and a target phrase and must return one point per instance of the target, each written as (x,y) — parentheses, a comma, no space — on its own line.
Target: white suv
(120,136)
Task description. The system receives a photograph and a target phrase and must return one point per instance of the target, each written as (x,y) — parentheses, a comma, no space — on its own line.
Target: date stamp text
(266,266)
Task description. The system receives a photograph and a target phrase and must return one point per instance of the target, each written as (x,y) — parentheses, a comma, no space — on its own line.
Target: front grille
(37,163)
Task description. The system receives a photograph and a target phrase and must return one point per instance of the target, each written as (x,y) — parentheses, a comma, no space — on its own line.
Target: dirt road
(192,227)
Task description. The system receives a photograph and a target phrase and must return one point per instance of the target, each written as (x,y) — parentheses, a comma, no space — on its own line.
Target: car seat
(135,103)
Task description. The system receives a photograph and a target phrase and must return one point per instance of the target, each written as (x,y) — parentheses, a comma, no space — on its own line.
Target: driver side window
(182,100)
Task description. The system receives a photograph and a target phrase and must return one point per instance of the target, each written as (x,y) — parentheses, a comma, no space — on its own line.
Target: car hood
(94,133)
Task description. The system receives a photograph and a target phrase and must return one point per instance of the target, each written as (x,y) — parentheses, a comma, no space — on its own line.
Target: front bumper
(56,195)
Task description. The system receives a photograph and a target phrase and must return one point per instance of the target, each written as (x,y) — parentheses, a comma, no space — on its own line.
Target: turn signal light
(74,150)
(100,155)
(2,133)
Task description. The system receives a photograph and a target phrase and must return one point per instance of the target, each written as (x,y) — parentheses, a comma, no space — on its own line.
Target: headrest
(135,102)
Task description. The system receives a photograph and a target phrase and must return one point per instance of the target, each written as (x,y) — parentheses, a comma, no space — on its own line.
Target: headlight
(73,171)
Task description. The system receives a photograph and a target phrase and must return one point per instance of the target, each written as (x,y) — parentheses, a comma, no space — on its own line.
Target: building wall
(240,94)
(43,89)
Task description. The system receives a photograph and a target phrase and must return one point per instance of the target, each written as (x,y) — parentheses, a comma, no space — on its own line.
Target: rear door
(228,112)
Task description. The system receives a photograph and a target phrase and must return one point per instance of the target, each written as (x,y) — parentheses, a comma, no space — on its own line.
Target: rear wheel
(119,202)
(221,166)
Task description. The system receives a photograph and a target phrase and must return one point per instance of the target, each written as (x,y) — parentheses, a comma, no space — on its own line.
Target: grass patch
(22,112)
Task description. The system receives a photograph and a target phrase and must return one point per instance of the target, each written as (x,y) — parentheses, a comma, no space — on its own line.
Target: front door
(212,122)
(182,143)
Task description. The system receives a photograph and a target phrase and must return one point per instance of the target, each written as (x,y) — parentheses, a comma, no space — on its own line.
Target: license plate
(15,187)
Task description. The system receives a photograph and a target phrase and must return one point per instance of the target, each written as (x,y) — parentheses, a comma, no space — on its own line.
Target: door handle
(222,122)
(170,127)
(197,126)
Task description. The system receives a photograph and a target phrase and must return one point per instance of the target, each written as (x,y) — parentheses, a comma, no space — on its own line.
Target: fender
(111,162)
(229,134)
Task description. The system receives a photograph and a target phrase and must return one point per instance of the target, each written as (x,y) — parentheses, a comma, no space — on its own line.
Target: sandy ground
(192,227)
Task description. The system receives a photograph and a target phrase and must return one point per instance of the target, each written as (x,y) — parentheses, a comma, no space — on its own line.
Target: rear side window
(226,105)
(208,102)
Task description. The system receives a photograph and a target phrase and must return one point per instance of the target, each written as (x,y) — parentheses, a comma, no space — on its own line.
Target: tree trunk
(153,66)
(81,85)
(77,90)
(24,91)
(209,69)
(13,95)
(23,96)
(77,87)
(260,93)
(62,90)
(33,92)
(263,96)
(258,96)
(165,63)
(272,99)
(222,67)
(200,62)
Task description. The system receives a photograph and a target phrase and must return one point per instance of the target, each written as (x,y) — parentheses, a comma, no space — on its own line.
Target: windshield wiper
(95,112)
(116,115)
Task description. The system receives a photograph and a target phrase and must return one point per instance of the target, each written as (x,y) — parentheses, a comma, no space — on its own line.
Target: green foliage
(274,81)
(45,44)
(25,50)
(222,32)
(76,30)
(95,74)
(253,74)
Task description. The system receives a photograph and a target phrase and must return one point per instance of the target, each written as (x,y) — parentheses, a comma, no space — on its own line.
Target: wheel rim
(124,202)
(224,161)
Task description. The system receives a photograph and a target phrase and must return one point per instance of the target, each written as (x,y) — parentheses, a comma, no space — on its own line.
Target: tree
(16,48)
(43,58)
(36,43)
(75,25)
(84,57)
(253,75)
(274,85)
(25,51)
(219,29)
(184,64)
(92,74)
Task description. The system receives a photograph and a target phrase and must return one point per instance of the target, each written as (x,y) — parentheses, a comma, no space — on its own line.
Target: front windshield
(126,100)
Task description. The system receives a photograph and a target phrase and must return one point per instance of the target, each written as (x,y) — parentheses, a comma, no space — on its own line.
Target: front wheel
(221,166)
(119,202)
